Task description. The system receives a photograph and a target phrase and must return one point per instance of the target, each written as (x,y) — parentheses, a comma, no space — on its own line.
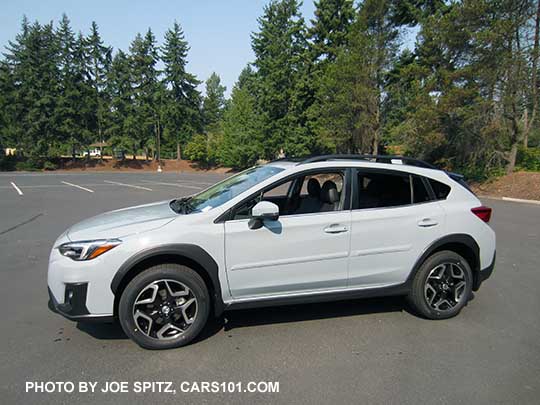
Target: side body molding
(192,253)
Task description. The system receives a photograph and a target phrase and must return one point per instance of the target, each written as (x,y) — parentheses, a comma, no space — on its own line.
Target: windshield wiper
(181,205)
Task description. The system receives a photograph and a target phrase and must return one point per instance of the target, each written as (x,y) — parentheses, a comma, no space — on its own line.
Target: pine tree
(182,117)
(330,29)
(144,58)
(213,103)
(67,114)
(99,60)
(33,59)
(352,91)
(120,89)
(280,49)
(242,144)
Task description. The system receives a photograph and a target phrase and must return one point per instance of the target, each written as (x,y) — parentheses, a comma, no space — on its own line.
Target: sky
(218,31)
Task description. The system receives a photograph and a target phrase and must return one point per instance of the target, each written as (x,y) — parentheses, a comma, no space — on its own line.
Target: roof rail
(377,158)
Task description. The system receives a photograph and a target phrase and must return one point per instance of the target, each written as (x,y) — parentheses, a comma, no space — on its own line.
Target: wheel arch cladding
(462,244)
(192,256)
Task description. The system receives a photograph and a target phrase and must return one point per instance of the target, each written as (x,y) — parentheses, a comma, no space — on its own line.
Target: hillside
(524,185)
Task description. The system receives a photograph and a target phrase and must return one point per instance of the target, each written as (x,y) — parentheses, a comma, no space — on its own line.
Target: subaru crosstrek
(326,228)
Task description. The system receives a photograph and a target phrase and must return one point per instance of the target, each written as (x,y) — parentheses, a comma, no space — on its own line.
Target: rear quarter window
(440,190)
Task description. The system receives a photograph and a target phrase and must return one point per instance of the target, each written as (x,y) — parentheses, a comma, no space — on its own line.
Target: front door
(305,250)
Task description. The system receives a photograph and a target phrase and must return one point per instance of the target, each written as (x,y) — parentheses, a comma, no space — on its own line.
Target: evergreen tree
(242,143)
(353,89)
(213,103)
(329,30)
(280,49)
(67,114)
(182,101)
(120,89)
(144,58)
(99,60)
(33,60)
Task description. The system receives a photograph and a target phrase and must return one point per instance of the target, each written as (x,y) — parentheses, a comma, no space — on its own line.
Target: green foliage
(529,159)
(279,47)
(29,165)
(242,126)
(466,97)
(180,104)
(213,103)
(204,148)
(48,165)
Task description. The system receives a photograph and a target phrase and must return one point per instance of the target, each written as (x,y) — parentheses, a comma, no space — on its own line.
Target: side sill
(401,289)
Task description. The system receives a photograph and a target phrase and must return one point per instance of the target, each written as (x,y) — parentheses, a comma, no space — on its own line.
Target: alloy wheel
(165,309)
(445,286)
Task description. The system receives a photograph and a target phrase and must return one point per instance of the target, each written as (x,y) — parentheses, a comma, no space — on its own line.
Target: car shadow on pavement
(271,315)
(102,331)
(307,312)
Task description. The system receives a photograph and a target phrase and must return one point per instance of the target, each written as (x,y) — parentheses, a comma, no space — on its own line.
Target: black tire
(445,290)
(145,283)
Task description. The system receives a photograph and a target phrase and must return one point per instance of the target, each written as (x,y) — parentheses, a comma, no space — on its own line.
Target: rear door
(393,220)
(298,253)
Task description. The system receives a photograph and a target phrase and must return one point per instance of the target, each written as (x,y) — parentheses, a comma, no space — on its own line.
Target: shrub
(197,149)
(29,165)
(528,159)
(48,165)
(7,163)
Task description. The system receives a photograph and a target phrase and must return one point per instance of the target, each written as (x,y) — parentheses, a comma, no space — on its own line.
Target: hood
(123,222)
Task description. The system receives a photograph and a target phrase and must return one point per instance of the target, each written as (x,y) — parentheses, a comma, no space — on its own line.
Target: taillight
(482,212)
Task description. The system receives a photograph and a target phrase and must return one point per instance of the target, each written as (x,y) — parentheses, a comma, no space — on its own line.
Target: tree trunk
(534,83)
(146,153)
(512,159)
(134,153)
(178,151)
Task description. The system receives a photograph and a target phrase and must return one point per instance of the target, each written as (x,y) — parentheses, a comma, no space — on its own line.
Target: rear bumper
(484,274)
(74,305)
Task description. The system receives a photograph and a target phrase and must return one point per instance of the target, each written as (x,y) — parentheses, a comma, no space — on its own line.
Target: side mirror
(263,210)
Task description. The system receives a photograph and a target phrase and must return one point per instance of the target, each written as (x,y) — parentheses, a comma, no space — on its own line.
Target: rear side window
(440,190)
(378,190)
(420,193)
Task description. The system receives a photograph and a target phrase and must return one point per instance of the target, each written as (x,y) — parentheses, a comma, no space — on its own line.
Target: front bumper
(74,305)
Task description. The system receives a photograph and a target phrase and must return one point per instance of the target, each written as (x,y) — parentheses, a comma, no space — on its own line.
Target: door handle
(427,222)
(336,228)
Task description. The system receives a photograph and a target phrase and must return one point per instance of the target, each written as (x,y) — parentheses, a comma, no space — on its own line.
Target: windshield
(229,188)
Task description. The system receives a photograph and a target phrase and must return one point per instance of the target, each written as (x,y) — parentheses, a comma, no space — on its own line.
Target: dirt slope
(524,185)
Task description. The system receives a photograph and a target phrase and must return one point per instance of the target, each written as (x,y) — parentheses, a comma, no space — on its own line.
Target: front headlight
(87,249)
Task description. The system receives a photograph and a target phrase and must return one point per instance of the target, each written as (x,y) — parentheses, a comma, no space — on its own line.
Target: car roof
(292,165)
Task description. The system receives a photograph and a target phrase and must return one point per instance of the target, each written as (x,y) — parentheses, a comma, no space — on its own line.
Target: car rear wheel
(442,286)
(165,306)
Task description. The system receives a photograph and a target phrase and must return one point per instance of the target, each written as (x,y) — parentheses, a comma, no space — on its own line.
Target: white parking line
(17,188)
(75,185)
(127,185)
(172,184)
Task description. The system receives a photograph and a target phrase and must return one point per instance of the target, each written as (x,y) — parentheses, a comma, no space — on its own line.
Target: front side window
(229,188)
(304,194)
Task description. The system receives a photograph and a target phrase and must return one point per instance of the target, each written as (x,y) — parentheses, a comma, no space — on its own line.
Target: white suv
(327,228)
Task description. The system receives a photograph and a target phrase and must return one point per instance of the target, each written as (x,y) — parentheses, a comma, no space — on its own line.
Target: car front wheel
(165,306)
(442,286)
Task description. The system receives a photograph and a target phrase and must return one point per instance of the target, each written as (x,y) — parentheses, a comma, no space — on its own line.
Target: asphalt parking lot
(364,351)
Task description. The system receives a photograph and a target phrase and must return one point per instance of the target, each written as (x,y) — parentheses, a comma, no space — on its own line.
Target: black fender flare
(188,251)
(460,238)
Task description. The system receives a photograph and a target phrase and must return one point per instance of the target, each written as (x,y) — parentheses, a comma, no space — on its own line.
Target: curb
(510,199)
